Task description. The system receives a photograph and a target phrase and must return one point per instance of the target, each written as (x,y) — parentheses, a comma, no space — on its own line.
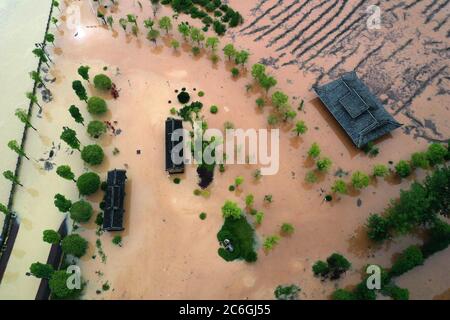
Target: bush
(102,82)
(231,210)
(235,72)
(287,292)
(58,286)
(377,228)
(380,170)
(117,240)
(341,294)
(96,128)
(270,242)
(62,203)
(436,153)
(396,293)
(41,271)
(81,211)
(437,186)
(439,238)
(420,160)
(363,293)
(360,180)
(242,237)
(408,259)
(403,169)
(412,209)
(338,265)
(92,154)
(287,228)
(96,105)
(339,187)
(202,216)
(311,177)
(314,151)
(214,109)
(51,236)
(88,183)
(320,268)
(74,245)
(324,164)
(183,97)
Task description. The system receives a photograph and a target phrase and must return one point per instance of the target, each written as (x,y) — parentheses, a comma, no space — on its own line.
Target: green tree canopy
(83,71)
(232,210)
(92,154)
(88,183)
(76,114)
(41,270)
(96,128)
(65,172)
(102,82)
(51,236)
(75,245)
(80,90)
(97,105)
(62,203)
(81,211)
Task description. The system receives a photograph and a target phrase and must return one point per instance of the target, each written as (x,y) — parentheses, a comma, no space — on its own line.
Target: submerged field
(168,252)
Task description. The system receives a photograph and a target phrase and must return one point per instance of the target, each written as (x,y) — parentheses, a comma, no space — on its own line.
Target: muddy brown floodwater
(168,252)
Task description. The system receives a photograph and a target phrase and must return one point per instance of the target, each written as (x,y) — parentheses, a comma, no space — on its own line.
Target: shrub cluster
(420,205)
(333,268)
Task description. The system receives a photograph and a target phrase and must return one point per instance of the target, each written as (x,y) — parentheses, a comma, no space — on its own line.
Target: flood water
(168,252)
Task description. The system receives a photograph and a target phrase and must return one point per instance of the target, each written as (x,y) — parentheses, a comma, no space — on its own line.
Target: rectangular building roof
(114,200)
(358,111)
(172,125)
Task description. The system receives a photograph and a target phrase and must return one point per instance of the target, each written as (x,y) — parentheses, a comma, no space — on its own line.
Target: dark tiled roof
(357,110)
(114,200)
(172,125)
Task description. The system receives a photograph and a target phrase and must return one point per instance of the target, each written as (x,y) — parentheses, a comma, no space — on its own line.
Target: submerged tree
(110,21)
(4,209)
(229,51)
(50,38)
(197,35)
(9,175)
(62,203)
(153,35)
(69,136)
(79,89)
(212,42)
(258,71)
(267,82)
(300,128)
(242,57)
(149,23)
(166,24)
(76,114)
(175,44)
(184,30)
(36,77)
(83,71)
(131,18)
(123,23)
(65,172)
(14,146)
(24,117)
(34,100)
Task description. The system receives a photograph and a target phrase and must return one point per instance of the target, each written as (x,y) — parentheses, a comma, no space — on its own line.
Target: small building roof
(358,111)
(172,125)
(114,200)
